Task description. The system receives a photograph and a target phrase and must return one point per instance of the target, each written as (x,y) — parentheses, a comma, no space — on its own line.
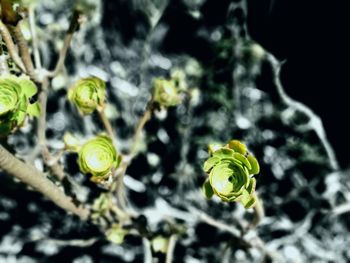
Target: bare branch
(74,25)
(32,26)
(259,213)
(23,50)
(106,123)
(147,250)
(315,122)
(29,175)
(72,242)
(171,248)
(6,36)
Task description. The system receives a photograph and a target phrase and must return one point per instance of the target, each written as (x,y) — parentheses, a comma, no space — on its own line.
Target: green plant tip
(15,93)
(88,94)
(230,168)
(165,93)
(98,157)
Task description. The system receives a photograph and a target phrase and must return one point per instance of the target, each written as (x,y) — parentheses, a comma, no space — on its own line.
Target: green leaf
(251,202)
(247,200)
(237,146)
(252,185)
(116,234)
(223,153)
(208,164)
(242,159)
(34,109)
(160,244)
(207,189)
(255,168)
(29,88)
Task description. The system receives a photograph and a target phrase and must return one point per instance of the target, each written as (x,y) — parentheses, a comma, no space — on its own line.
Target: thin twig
(118,185)
(29,175)
(73,27)
(171,248)
(213,222)
(147,250)
(41,130)
(23,50)
(32,25)
(6,36)
(139,128)
(3,65)
(259,213)
(341,209)
(106,123)
(72,242)
(315,122)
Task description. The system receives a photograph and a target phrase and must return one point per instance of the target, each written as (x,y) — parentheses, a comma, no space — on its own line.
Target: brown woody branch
(23,50)
(74,26)
(6,36)
(29,175)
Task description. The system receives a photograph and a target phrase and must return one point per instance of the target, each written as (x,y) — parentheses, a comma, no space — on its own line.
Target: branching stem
(29,175)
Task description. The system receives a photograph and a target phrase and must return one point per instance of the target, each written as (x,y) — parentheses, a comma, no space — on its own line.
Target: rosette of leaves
(15,94)
(165,92)
(98,157)
(88,94)
(231,169)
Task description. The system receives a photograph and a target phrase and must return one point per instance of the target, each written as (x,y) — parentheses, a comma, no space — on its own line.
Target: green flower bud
(165,93)
(71,142)
(116,234)
(88,94)
(160,244)
(230,171)
(98,157)
(15,93)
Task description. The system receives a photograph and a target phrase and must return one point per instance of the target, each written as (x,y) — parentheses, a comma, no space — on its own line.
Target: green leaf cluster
(98,157)
(165,92)
(15,93)
(88,94)
(231,169)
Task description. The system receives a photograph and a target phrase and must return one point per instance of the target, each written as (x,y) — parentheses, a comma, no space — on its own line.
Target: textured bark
(36,179)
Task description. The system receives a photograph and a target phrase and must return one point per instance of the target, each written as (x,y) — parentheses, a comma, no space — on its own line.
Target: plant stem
(23,50)
(106,123)
(139,128)
(171,248)
(74,25)
(32,26)
(31,176)
(259,213)
(6,36)
(147,250)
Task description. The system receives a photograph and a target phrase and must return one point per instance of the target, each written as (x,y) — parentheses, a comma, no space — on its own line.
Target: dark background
(312,36)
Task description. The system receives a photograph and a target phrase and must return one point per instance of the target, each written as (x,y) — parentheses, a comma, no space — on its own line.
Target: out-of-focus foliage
(15,93)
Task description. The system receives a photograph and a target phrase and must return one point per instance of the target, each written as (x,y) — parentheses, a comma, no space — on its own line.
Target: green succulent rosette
(15,93)
(98,157)
(88,94)
(230,170)
(165,92)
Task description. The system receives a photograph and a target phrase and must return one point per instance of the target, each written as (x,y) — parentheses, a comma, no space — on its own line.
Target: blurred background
(225,48)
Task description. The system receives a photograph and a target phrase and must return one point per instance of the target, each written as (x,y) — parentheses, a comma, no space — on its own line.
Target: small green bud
(15,93)
(116,234)
(98,157)
(230,169)
(179,77)
(88,94)
(71,142)
(214,147)
(165,93)
(160,244)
